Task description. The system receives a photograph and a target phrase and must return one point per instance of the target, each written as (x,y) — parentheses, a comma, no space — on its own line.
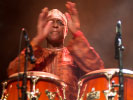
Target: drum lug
(4,91)
(51,95)
(93,94)
(80,83)
(58,92)
(35,94)
(114,85)
(64,91)
(111,93)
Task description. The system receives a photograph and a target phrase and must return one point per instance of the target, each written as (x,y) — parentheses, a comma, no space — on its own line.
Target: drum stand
(118,55)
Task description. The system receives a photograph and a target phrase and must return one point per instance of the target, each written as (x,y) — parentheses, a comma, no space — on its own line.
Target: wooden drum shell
(97,81)
(46,83)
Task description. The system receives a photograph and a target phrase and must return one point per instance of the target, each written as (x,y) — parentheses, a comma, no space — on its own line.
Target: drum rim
(41,75)
(113,71)
(35,73)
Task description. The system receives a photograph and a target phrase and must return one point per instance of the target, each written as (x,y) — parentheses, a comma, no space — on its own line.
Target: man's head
(58,30)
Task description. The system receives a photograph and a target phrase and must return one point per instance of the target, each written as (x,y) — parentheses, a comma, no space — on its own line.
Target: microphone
(29,47)
(118,28)
(118,39)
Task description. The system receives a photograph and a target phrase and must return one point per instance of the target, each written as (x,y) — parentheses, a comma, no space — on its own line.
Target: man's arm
(42,31)
(83,54)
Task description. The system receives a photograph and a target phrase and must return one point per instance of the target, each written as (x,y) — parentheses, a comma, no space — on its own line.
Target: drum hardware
(34,94)
(90,96)
(111,92)
(114,85)
(4,94)
(93,94)
(83,93)
(80,83)
(79,89)
(37,83)
(51,95)
(109,77)
(109,95)
(58,92)
(64,91)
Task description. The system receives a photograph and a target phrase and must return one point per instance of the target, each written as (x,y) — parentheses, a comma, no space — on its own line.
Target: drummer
(70,62)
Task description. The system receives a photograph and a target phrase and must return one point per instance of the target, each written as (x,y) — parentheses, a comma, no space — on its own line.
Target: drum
(40,86)
(104,85)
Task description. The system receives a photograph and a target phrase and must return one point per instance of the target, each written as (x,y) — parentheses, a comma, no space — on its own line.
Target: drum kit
(96,85)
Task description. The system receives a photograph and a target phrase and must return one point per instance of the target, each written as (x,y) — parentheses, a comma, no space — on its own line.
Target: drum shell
(98,81)
(52,84)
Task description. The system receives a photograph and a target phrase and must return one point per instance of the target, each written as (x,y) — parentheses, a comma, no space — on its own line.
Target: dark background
(98,21)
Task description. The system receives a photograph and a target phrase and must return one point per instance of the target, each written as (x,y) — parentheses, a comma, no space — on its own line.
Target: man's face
(56,33)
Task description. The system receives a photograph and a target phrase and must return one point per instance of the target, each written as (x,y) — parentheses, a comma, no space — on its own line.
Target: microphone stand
(118,55)
(24,81)
(28,55)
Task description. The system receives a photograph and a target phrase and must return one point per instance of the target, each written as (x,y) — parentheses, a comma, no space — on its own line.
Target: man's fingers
(43,15)
(69,19)
(42,20)
(71,8)
(73,11)
(68,16)
(71,4)
(47,27)
(73,17)
(45,11)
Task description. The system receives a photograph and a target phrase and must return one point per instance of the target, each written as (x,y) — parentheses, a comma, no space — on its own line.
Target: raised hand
(72,17)
(43,27)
